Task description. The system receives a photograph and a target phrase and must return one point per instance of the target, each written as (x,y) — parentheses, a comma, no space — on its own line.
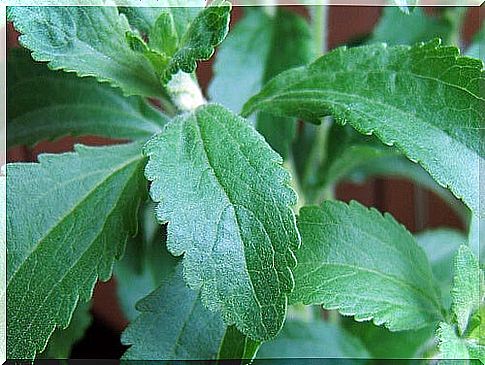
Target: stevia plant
(216,212)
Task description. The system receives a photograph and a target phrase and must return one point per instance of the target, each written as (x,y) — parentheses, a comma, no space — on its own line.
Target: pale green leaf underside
(395,27)
(241,60)
(424,99)
(312,340)
(68,218)
(89,41)
(45,104)
(468,287)
(450,344)
(226,198)
(346,247)
(173,325)
(61,342)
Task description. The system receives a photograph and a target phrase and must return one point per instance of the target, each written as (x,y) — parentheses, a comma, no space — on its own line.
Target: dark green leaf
(68,218)
(423,99)
(226,198)
(236,346)
(44,104)
(174,325)
(89,41)
(317,339)
(346,247)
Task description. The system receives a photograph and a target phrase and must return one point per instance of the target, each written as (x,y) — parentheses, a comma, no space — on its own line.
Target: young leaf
(258,48)
(423,99)
(87,40)
(316,339)
(346,247)
(144,18)
(44,104)
(394,27)
(226,198)
(62,341)
(468,282)
(173,325)
(68,218)
(207,31)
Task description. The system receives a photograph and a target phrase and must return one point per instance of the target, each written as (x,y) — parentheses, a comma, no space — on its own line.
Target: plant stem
(319,28)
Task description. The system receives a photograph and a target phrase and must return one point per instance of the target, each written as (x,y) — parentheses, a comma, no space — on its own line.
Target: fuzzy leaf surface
(45,105)
(346,247)
(424,99)
(173,325)
(68,218)
(207,31)
(87,40)
(468,285)
(226,199)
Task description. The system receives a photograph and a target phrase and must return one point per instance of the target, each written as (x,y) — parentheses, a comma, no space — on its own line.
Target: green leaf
(68,218)
(394,27)
(423,99)
(260,47)
(44,104)
(173,325)
(206,32)
(226,198)
(241,60)
(468,284)
(62,341)
(316,339)
(346,247)
(235,345)
(89,41)
(441,246)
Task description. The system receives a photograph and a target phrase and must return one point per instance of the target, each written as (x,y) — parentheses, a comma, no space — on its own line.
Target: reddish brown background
(401,198)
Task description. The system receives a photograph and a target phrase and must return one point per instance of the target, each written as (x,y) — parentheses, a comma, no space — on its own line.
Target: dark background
(413,206)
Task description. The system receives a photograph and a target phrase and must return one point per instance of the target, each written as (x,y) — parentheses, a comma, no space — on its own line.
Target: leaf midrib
(73,208)
(46,298)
